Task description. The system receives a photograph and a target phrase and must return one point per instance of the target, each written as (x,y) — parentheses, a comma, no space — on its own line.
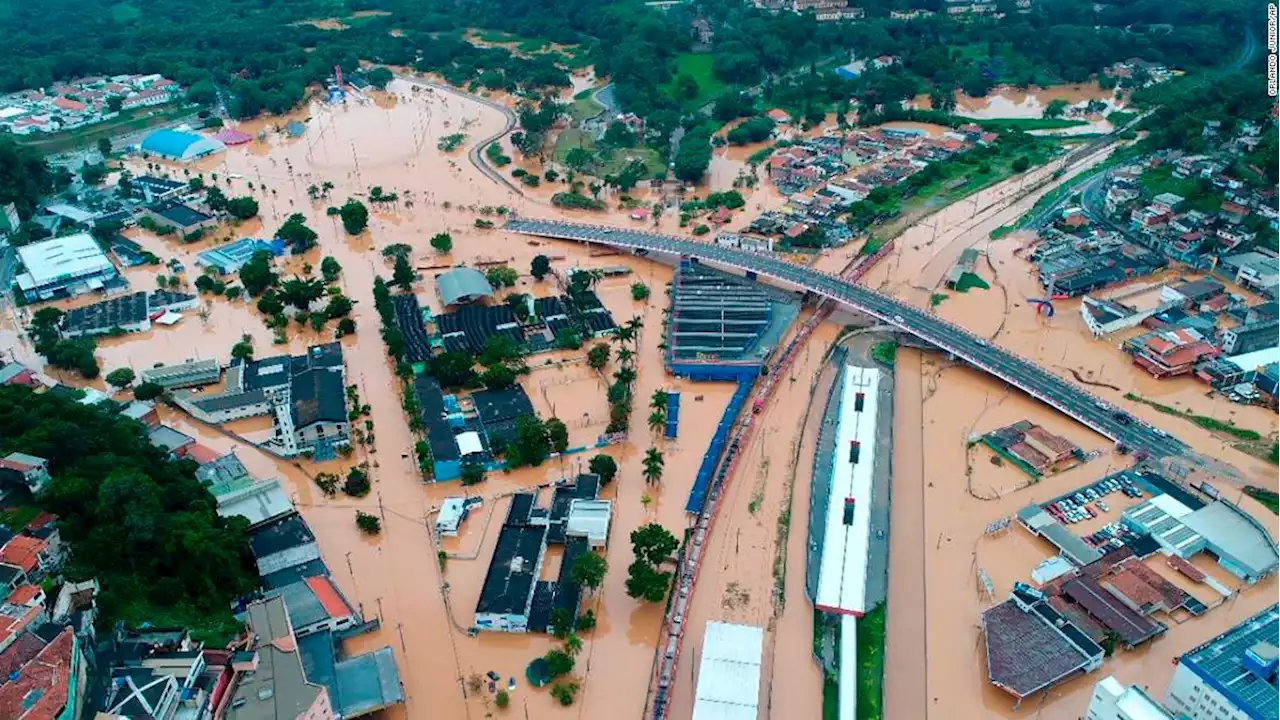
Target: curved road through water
(1058,392)
(473,153)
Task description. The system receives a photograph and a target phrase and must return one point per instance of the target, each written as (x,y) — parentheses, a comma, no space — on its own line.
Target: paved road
(1062,394)
(475,152)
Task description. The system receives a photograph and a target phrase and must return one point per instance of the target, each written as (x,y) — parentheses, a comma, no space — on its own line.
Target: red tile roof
(46,677)
(23,551)
(41,520)
(202,454)
(23,595)
(69,105)
(332,602)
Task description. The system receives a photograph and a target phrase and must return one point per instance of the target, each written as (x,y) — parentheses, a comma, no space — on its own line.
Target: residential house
(27,470)
(1167,353)
(269,681)
(1233,213)
(179,217)
(1257,270)
(23,608)
(315,604)
(49,684)
(1249,338)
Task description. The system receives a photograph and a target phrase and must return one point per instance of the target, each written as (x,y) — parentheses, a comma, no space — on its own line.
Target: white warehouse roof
(729,674)
(70,256)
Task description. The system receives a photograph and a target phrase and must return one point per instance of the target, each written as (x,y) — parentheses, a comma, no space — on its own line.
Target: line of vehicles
(1087,501)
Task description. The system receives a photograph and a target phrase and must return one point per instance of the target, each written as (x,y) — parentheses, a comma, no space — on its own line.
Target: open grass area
(613,160)
(584,107)
(871,665)
(1269,499)
(1025,124)
(16,518)
(1161,180)
(88,136)
(697,67)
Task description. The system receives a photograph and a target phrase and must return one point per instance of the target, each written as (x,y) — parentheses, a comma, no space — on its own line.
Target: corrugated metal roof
(729,674)
(462,285)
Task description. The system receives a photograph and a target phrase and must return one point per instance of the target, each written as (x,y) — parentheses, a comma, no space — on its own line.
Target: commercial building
(284,544)
(1185,528)
(1031,647)
(153,189)
(229,258)
(1032,448)
(1168,353)
(728,682)
(179,146)
(63,267)
(315,604)
(513,599)
(1113,701)
(177,216)
(258,501)
(188,374)
(1250,337)
(269,681)
(462,285)
(304,394)
(1231,677)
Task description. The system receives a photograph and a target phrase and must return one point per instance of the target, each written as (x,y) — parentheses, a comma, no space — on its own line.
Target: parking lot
(1092,512)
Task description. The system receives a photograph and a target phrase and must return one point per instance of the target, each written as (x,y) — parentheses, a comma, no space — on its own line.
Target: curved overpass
(1062,394)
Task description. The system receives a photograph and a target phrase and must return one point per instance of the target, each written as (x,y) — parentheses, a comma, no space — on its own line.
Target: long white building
(729,673)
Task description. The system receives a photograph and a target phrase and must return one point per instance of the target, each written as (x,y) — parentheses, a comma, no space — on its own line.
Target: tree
(604,466)
(502,276)
(442,242)
(93,174)
(653,463)
(657,422)
(379,77)
(659,400)
(560,623)
(618,135)
(339,306)
(653,543)
(531,446)
(498,377)
(243,350)
(269,304)
(402,275)
(368,524)
(296,234)
(215,199)
(578,158)
(693,156)
(330,269)
(573,644)
(502,699)
(121,377)
(586,621)
(472,474)
(301,293)
(242,208)
(540,266)
(557,434)
(453,369)
(1055,108)
(568,339)
(589,570)
(644,582)
(257,275)
(104,147)
(355,216)
(558,662)
(598,356)
(564,692)
(1021,163)
(639,291)
(357,484)
(147,391)
(346,326)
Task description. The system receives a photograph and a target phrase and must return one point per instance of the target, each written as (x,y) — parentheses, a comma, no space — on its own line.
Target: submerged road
(1102,417)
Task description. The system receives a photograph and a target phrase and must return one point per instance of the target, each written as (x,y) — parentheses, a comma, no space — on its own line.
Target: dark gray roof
(181,215)
(167,438)
(318,396)
(462,285)
(8,573)
(281,535)
(291,575)
(125,310)
(224,469)
(440,436)
(508,583)
(368,682)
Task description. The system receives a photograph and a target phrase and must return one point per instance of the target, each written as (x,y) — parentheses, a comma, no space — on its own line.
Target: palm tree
(633,327)
(653,463)
(659,400)
(625,357)
(623,334)
(625,375)
(573,644)
(657,420)
(313,192)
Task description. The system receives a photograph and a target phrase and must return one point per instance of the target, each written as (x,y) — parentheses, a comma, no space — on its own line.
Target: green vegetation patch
(937,299)
(125,12)
(698,67)
(1204,421)
(969,280)
(1161,180)
(1268,498)
(885,352)
(1024,124)
(584,107)
(871,629)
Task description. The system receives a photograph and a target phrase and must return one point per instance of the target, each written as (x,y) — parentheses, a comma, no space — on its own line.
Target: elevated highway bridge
(1067,397)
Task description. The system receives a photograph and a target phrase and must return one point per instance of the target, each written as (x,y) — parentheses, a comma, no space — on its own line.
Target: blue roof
(1241,664)
(169,142)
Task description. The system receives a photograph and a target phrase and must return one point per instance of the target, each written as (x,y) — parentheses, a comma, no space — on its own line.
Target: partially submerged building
(305,395)
(513,598)
(1234,675)
(729,672)
(1030,647)
(63,267)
